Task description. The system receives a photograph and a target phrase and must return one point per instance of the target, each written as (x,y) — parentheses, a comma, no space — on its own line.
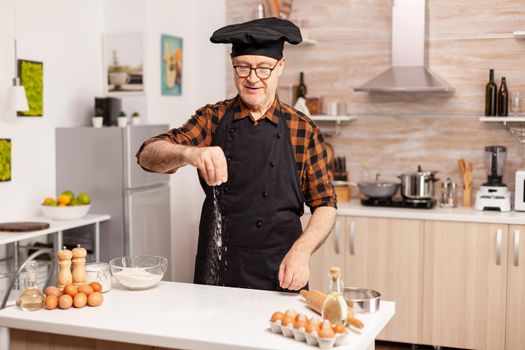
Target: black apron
(260,206)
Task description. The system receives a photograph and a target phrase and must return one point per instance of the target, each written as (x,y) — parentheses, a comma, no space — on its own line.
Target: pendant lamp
(18,97)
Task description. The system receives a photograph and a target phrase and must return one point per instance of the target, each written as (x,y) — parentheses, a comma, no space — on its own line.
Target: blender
(494,194)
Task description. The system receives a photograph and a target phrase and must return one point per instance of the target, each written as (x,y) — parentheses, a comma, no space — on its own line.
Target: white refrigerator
(101,162)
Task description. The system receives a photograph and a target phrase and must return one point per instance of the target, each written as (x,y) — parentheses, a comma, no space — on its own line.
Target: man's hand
(211,163)
(294,271)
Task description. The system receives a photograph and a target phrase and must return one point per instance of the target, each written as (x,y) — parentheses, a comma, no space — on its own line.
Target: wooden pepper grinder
(79,266)
(64,264)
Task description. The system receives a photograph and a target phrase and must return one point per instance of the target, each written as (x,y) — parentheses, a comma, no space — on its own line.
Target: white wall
(66,36)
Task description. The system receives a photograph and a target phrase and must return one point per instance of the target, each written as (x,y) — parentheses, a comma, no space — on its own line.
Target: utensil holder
(467,197)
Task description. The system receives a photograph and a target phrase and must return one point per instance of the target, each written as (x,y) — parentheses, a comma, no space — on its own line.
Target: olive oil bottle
(334,307)
(32,298)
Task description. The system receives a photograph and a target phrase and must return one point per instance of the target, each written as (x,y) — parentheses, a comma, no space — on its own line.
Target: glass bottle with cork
(301,89)
(491,92)
(335,308)
(32,298)
(503,99)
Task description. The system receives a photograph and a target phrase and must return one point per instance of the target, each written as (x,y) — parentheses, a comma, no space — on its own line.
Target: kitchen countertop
(187,316)
(354,208)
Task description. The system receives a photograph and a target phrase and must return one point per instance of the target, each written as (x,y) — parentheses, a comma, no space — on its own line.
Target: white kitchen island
(177,316)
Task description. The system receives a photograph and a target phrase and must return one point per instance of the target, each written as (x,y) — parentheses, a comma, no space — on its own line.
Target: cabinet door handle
(499,234)
(517,248)
(352,238)
(337,235)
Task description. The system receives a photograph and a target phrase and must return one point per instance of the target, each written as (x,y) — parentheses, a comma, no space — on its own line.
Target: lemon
(52,203)
(75,202)
(84,198)
(70,194)
(63,200)
(48,200)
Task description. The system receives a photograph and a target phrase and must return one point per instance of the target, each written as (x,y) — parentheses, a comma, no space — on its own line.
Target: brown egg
(286,320)
(299,323)
(52,290)
(277,315)
(70,290)
(65,301)
(95,299)
(80,300)
(326,333)
(315,320)
(51,302)
(97,287)
(312,327)
(339,328)
(87,290)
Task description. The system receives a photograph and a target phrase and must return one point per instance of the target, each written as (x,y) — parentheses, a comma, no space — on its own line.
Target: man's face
(257,91)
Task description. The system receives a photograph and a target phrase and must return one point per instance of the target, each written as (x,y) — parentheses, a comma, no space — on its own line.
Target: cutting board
(23,226)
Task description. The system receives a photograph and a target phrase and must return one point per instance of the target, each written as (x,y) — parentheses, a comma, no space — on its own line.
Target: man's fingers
(219,166)
(210,171)
(288,276)
(281,275)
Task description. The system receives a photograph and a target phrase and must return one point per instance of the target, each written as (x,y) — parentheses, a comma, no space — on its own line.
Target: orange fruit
(63,200)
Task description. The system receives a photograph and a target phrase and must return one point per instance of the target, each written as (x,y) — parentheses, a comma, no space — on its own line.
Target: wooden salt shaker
(64,263)
(79,266)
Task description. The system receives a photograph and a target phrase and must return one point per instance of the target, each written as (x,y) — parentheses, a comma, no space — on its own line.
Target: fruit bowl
(65,213)
(138,272)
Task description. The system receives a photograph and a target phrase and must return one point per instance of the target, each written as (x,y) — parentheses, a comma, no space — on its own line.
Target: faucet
(30,258)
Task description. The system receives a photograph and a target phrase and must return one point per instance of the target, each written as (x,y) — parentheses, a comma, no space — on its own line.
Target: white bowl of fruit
(66,206)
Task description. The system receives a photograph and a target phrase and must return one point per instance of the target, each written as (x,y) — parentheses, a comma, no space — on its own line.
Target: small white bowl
(65,213)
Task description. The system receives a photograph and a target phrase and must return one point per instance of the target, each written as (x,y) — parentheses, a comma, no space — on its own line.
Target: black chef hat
(260,37)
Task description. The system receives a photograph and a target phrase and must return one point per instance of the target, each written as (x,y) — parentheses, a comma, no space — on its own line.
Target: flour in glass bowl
(137,278)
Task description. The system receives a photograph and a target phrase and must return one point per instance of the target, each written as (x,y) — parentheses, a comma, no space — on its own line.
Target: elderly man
(259,161)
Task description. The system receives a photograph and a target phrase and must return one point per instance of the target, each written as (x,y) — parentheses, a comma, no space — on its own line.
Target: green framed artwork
(5,160)
(31,75)
(171,65)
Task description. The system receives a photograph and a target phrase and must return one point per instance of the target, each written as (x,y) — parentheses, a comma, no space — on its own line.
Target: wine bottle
(301,88)
(503,98)
(491,92)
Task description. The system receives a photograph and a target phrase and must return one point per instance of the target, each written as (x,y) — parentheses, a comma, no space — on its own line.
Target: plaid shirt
(307,141)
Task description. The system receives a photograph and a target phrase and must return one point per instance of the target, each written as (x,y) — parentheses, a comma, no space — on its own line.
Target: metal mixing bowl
(362,300)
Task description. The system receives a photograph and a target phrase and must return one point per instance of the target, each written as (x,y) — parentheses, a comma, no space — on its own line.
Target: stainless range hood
(409,72)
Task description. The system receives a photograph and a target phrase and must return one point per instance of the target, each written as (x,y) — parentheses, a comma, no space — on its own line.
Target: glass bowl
(65,213)
(138,272)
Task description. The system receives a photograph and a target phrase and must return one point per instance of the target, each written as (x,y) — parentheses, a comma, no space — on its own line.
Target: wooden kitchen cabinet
(465,277)
(515,326)
(386,255)
(331,253)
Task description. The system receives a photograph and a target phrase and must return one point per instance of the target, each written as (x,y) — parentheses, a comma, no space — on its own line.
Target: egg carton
(311,338)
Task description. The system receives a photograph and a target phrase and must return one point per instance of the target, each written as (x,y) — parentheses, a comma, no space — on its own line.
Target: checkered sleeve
(194,132)
(318,191)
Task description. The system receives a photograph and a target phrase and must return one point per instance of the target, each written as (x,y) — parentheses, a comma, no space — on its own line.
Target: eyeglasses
(260,72)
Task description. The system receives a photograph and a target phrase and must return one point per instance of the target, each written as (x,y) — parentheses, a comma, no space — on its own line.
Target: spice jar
(99,272)
(448,197)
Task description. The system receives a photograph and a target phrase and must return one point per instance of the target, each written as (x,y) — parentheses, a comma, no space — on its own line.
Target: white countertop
(354,208)
(187,316)
(54,226)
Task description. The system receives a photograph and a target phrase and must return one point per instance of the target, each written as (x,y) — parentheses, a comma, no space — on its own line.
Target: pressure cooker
(418,185)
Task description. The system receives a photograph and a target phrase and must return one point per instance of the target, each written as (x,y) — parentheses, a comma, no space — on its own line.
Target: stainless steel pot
(418,185)
(378,188)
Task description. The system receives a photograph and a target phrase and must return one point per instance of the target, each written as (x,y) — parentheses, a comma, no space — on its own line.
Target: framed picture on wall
(31,75)
(171,65)
(5,160)
(124,63)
